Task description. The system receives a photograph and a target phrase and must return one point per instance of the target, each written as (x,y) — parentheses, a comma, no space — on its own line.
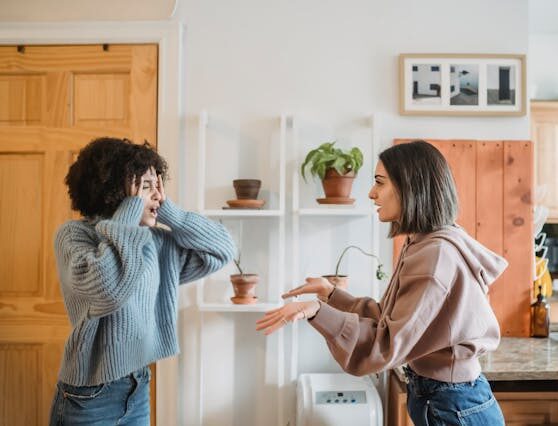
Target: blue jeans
(432,403)
(122,402)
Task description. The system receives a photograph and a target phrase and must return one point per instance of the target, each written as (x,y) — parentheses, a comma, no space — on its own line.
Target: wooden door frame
(169,36)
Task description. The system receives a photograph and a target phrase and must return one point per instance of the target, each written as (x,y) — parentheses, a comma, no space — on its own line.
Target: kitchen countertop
(519,358)
(523,358)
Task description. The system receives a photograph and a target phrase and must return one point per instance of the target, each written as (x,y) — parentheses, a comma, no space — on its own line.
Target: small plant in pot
(243,286)
(247,189)
(246,194)
(336,168)
(342,281)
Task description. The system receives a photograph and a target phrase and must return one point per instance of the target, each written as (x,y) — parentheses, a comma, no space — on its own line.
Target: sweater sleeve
(106,271)
(205,246)
(365,345)
(363,306)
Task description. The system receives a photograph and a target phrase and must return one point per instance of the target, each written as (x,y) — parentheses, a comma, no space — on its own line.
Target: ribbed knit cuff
(169,213)
(328,321)
(129,211)
(341,300)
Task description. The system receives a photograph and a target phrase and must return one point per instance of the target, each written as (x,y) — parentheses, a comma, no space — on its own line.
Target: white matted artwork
(462,84)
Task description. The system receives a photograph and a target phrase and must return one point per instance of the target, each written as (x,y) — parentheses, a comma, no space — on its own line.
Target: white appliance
(337,400)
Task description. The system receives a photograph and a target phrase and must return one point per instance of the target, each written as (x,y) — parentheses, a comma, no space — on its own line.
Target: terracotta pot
(341,281)
(247,189)
(336,185)
(244,288)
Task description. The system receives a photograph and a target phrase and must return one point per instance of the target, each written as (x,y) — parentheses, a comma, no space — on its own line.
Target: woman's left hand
(161,188)
(275,319)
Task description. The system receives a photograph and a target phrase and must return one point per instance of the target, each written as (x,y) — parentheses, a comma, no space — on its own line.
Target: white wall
(543,66)
(543,16)
(248,60)
(543,45)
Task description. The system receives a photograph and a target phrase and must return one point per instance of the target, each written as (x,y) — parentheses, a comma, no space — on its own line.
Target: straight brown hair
(425,185)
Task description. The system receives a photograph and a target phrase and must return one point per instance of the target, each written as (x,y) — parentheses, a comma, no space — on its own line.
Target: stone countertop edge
(518,358)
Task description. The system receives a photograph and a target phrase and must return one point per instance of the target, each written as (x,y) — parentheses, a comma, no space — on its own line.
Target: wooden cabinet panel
(510,296)
(494,181)
(524,408)
(519,408)
(397,403)
(544,133)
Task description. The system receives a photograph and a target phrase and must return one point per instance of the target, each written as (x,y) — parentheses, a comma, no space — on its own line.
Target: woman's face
(150,192)
(385,196)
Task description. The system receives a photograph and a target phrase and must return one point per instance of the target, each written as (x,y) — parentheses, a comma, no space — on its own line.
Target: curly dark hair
(97,181)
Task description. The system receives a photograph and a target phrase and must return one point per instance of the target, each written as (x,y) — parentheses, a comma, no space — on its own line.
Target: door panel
(22,96)
(55,99)
(100,99)
(21,251)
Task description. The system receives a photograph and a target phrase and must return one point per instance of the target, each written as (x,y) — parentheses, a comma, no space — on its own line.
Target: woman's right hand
(134,188)
(318,286)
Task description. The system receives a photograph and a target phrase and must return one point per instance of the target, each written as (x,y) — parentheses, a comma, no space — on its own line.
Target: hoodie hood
(485,265)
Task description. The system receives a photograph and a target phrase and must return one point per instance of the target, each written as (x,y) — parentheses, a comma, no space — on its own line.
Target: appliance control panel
(341,397)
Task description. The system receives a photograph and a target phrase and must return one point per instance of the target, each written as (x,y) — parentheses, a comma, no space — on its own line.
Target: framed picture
(462,84)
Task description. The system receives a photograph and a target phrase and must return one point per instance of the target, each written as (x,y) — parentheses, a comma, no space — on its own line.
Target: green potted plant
(342,281)
(243,285)
(336,168)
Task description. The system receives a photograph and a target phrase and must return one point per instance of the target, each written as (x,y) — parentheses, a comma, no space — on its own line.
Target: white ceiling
(85,10)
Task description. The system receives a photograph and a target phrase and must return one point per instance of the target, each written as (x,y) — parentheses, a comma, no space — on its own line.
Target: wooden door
(54,100)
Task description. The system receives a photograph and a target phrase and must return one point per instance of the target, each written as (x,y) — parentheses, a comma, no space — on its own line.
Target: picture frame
(462,84)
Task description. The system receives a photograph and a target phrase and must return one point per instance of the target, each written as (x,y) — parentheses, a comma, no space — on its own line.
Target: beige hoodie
(434,314)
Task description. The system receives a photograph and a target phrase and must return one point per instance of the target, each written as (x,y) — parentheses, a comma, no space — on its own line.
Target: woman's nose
(372,194)
(156,194)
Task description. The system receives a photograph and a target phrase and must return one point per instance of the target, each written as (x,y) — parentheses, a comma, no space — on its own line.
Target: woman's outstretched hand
(275,319)
(318,286)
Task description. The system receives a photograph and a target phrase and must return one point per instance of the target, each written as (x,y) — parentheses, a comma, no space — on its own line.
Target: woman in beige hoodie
(434,316)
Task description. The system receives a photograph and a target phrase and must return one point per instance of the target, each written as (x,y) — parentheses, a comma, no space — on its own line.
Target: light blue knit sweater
(120,282)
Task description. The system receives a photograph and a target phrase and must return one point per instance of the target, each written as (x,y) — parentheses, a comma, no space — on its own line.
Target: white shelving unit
(239,213)
(334,212)
(276,213)
(256,307)
(306,213)
(213,292)
(277,355)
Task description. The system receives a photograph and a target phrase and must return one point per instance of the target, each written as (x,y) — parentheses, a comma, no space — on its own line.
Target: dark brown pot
(336,185)
(341,281)
(244,286)
(247,189)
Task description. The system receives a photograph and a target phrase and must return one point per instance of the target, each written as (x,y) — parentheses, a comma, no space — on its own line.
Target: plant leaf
(326,156)
(339,165)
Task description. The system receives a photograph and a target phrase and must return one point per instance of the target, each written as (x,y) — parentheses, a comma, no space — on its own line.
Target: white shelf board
(332,211)
(230,307)
(241,213)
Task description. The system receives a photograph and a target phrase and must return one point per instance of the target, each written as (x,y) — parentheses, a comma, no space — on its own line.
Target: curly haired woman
(119,275)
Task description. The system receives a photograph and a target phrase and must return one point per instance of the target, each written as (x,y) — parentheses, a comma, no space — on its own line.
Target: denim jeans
(122,402)
(432,403)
